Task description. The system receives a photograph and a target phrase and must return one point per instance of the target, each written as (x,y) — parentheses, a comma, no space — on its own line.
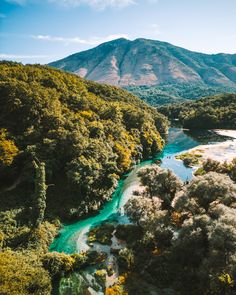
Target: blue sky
(39,31)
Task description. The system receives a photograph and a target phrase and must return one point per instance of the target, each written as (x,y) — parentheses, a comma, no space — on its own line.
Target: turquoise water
(72,238)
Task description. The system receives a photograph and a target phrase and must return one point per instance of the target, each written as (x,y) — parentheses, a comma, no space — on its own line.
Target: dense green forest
(206,113)
(177,93)
(64,143)
(188,236)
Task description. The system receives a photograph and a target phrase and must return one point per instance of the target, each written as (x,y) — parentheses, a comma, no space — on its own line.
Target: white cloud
(78,40)
(98,4)
(15,56)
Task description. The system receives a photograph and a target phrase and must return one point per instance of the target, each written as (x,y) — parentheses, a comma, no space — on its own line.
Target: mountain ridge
(146,62)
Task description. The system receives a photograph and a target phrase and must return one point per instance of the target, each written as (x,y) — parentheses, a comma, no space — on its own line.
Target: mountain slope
(147,62)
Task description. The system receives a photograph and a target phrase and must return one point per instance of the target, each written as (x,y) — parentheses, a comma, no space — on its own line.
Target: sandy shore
(221,152)
(230,133)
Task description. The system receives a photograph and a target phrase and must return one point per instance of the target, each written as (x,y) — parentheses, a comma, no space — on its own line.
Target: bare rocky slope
(141,62)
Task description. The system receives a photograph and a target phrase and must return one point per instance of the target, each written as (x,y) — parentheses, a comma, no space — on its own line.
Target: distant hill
(207,113)
(177,93)
(145,62)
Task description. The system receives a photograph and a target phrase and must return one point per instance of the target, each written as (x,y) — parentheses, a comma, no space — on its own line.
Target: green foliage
(214,166)
(101,234)
(64,142)
(128,233)
(206,113)
(80,260)
(8,149)
(190,247)
(22,274)
(58,264)
(1,239)
(189,159)
(160,183)
(126,259)
(176,93)
(40,192)
(100,276)
(87,135)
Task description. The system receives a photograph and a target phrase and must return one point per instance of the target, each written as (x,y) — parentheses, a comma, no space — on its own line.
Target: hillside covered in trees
(64,143)
(176,93)
(206,113)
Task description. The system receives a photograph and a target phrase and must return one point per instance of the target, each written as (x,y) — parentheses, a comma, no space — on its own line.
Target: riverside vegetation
(206,113)
(64,143)
(188,245)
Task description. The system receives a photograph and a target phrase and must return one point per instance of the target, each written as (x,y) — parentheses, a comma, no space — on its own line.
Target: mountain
(144,62)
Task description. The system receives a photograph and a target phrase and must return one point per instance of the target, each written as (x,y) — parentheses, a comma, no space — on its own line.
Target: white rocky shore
(221,152)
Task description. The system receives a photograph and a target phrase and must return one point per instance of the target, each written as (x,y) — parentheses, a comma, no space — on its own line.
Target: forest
(188,231)
(165,94)
(64,144)
(206,113)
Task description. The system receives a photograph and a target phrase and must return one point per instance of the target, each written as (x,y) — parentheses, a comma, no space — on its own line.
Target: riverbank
(220,152)
(225,132)
(73,238)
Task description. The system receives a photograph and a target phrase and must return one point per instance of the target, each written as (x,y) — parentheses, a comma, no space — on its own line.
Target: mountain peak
(143,61)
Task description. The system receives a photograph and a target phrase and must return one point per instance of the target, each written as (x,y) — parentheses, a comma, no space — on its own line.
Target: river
(73,237)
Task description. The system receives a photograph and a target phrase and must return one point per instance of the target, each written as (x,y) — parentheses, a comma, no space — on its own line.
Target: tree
(58,264)
(160,183)
(193,239)
(40,192)
(203,191)
(8,149)
(22,275)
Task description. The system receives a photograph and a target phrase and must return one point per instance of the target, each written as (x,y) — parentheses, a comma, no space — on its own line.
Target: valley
(74,238)
(117,147)
(97,195)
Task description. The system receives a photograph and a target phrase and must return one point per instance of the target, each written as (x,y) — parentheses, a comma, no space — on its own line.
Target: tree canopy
(206,113)
(188,247)
(87,134)
(64,143)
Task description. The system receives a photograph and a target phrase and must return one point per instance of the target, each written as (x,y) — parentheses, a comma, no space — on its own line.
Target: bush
(58,264)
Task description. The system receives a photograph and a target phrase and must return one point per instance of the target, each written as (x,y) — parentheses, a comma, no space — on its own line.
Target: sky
(40,31)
